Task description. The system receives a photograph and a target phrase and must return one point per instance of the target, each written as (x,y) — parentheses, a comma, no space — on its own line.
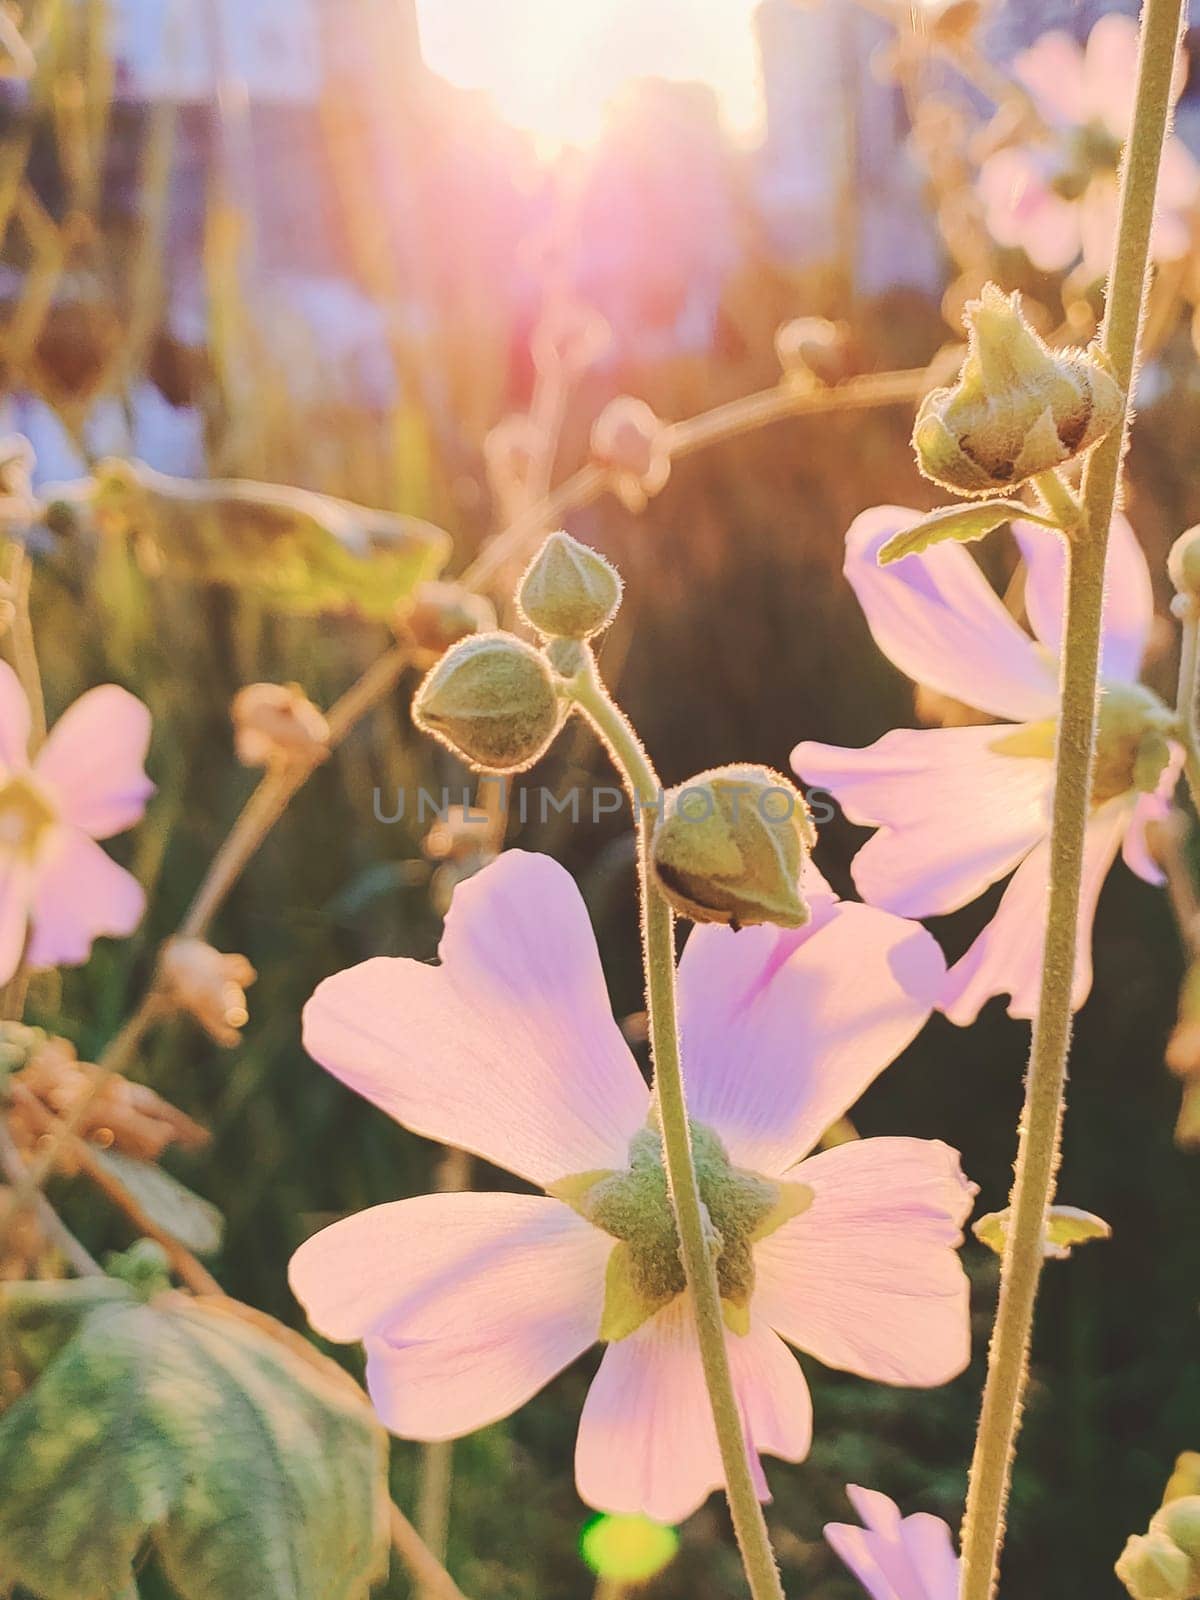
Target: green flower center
(645,1271)
(1131,741)
(25,815)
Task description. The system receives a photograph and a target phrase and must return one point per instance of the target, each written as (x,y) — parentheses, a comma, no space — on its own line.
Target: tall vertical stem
(1041,1123)
(658,944)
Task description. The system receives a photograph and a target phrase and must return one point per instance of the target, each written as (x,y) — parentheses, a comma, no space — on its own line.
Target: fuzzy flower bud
(629,439)
(208,984)
(443,613)
(1179,1520)
(1152,1567)
(730,845)
(812,350)
(1183,563)
(569,591)
(1018,407)
(277,722)
(492,700)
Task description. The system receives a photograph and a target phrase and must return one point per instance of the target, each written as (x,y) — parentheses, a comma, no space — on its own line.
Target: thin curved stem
(1041,1124)
(1185,699)
(658,943)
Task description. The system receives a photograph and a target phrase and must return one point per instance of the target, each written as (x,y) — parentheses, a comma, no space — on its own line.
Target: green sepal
(1028,741)
(963,524)
(1066,1227)
(794,1200)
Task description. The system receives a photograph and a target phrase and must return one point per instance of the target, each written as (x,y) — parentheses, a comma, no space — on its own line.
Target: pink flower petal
(93,761)
(1110,73)
(468,1303)
(953,813)
(1052,70)
(936,618)
(79,894)
(14,721)
(508,1048)
(1098,224)
(868,1279)
(1023,211)
(1006,958)
(1178,179)
(646,1438)
(1148,808)
(15,893)
(893,1558)
(782,1031)
(1128,597)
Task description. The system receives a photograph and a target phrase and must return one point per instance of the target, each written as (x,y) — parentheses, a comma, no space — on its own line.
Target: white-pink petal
(646,1437)
(16,886)
(467,1304)
(1023,211)
(868,1279)
(937,619)
(79,895)
(895,1558)
(1006,958)
(1148,808)
(508,1048)
(14,721)
(1128,595)
(92,761)
(1052,69)
(954,813)
(783,1030)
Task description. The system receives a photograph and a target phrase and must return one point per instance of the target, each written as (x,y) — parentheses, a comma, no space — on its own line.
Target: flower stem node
(1183,563)
(275,724)
(812,351)
(1018,408)
(492,700)
(630,442)
(1153,1567)
(730,845)
(569,591)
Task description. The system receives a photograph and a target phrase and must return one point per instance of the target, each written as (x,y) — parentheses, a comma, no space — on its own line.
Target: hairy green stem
(658,944)
(1041,1123)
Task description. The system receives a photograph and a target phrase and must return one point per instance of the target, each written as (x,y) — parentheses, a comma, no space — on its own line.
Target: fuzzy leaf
(250,1464)
(194,1221)
(1066,1226)
(962,523)
(291,549)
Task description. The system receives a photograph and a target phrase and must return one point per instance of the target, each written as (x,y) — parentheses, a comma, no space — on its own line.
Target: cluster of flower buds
(630,442)
(1164,1562)
(208,984)
(1018,408)
(275,724)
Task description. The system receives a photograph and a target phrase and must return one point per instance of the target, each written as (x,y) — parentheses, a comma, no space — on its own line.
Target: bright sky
(552,66)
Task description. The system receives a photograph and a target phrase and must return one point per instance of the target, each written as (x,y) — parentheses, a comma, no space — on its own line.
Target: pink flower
(469,1303)
(894,1557)
(959,808)
(1058,200)
(56,885)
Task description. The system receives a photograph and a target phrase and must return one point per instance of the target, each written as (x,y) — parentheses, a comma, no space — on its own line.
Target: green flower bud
(1179,1520)
(1132,751)
(1152,1567)
(729,847)
(491,699)
(569,591)
(1018,408)
(1183,563)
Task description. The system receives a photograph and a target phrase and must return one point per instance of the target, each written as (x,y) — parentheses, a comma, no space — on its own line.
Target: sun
(552,67)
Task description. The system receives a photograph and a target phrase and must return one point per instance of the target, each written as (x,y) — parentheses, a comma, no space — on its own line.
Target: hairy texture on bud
(629,440)
(208,984)
(443,613)
(492,700)
(1179,1520)
(1183,563)
(1018,408)
(1152,1567)
(277,722)
(813,350)
(730,846)
(569,591)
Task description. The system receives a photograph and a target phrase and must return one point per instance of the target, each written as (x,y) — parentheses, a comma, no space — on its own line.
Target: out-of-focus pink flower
(57,887)
(894,1557)
(469,1303)
(959,808)
(1057,199)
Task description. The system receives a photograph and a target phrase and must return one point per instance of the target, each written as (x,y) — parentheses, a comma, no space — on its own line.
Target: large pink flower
(894,1557)
(469,1303)
(959,808)
(56,884)
(1057,199)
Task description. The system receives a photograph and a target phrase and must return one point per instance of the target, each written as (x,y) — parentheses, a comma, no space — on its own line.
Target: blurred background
(337,244)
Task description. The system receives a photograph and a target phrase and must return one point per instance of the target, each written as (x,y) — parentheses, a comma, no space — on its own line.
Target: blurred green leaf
(961,523)
(1066,1226)
(251,1464)
(194,1221)
(292,549)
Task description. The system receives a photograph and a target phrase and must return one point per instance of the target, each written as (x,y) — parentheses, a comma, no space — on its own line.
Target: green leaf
(292,549)
(248,1463)
(194,1221)
(962,523)
(1066,1226)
